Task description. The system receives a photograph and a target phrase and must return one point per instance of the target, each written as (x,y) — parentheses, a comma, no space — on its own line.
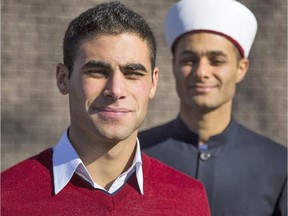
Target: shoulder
(261,148)
(27,183)
(171,186)
(156,134)
(166,175)
(258,140)
(28,171)
(163,181)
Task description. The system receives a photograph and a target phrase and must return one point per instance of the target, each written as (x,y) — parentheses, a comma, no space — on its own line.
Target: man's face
(110,86)
(206,70)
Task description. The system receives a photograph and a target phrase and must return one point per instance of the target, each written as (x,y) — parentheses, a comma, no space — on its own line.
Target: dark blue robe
(244,173)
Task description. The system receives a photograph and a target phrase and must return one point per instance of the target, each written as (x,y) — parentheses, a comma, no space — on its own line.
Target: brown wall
(34,114)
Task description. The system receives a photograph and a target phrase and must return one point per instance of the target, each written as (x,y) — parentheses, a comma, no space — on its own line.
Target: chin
(114,135)
(202,105)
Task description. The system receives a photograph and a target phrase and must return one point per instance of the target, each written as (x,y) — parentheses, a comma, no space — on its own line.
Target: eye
(188,61)
(217,61)
(134,75)
(96,73)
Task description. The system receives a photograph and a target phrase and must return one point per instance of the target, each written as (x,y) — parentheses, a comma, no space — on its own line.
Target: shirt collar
(181,132)
(65,165)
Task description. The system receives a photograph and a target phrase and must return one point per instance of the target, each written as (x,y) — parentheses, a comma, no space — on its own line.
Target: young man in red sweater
(97,168)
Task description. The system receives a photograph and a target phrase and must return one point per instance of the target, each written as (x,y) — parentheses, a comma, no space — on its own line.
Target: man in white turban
(244,173)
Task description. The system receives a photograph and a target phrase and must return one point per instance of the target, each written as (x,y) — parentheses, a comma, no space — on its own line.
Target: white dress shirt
(66,162)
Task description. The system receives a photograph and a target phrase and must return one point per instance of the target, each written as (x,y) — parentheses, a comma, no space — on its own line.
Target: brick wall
(34,114)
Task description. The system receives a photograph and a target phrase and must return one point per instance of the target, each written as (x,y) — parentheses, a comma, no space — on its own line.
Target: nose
(201,71)
(115,87)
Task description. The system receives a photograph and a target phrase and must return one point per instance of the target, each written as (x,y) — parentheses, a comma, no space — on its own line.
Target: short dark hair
(111,18)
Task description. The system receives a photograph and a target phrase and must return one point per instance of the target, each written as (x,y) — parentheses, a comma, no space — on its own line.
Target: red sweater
(27,189)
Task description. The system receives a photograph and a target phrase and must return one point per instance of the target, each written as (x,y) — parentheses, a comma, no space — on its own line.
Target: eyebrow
(134,67)
(188,52)
(99,64)
(217,53)
(127,67)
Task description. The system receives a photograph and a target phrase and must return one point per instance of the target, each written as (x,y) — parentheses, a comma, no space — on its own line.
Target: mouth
(112,112)
(202,88)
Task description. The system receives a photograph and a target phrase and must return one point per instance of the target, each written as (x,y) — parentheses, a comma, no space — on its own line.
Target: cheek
(141,92)
(182,70)
(181,77)
(227,75)
(90,87)
(182,73)
(229,82)
(185,70)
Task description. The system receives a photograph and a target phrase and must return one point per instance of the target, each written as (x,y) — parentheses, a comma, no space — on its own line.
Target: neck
(104,159)
(110,165)
(207,123)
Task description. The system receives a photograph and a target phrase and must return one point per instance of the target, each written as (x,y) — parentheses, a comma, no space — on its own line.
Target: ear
(154,82)
(62,77)
(243,66)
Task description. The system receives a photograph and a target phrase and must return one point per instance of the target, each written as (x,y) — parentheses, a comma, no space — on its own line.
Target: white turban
(228,18)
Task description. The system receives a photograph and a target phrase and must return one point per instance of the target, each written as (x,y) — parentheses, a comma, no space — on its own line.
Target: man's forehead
(202,42)
(113,49)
